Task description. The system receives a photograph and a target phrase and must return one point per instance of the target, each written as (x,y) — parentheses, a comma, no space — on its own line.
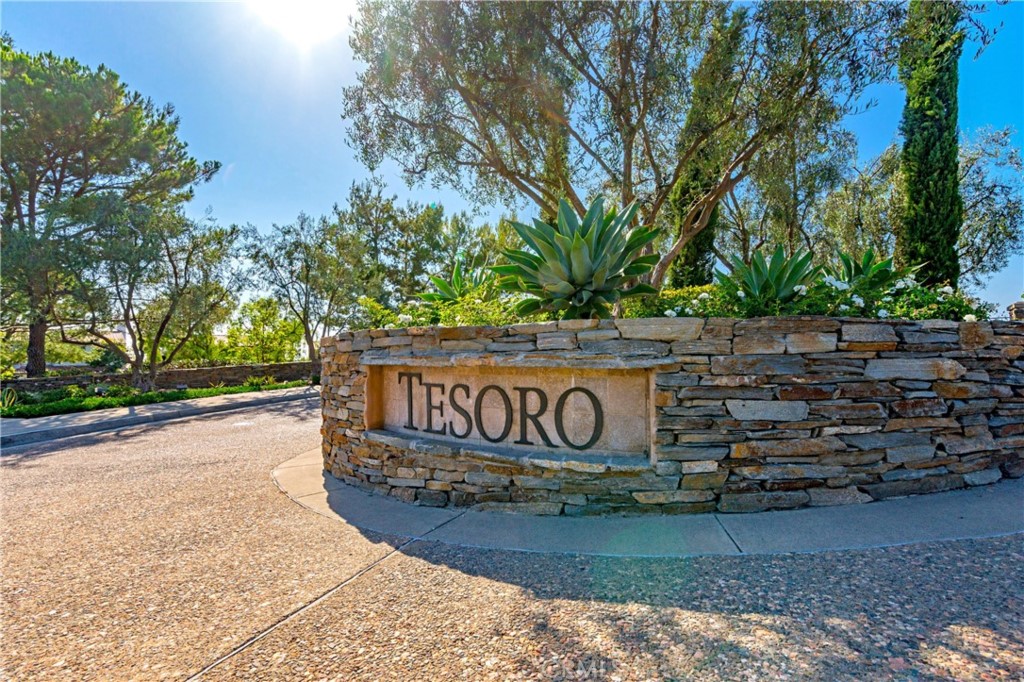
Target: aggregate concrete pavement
(165,551)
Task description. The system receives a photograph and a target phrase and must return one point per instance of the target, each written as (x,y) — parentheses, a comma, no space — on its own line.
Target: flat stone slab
(988,511)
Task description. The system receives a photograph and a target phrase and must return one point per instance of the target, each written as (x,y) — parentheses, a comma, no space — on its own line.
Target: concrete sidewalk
(982,512)
(24,431)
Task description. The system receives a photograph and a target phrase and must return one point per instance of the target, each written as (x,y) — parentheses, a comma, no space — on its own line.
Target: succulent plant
(779,279)
(876,275)
(463,281)
(578,267)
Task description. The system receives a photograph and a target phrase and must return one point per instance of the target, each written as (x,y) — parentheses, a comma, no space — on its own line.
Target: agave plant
(578,268)
(780,279)
(463,281)
(875,275)
(8,397)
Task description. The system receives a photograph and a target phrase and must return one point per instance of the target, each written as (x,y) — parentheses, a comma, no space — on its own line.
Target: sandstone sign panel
(535,409)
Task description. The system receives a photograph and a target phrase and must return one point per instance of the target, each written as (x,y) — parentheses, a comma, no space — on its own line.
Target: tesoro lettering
(464,422)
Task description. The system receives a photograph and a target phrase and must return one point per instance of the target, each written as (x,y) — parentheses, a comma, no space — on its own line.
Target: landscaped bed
(85,403)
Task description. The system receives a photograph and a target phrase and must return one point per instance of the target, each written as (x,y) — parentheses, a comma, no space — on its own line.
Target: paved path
(163,550)
(988,511)
(22,431)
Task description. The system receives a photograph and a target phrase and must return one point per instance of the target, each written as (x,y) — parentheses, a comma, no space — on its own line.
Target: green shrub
(119,391)
(578,268)
(75,391)
(477,311)
(699,301)
(259,382)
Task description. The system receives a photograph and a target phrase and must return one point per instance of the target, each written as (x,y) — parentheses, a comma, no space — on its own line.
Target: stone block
(983,477)
(432,498)
(910,453)
(770,365)
(774,472)
(482,478)
(826,497)
(959,445)
(538,482)
(930,484)
(921,423)
(556,341)
(758,344)
(767,410)
(661,328)
(810,342)
(626,347)
(703,347)
(877,440)
(670,496)
(920,407)
(811,392)
(597,335)
(706,481)
(406,482)
(682,453)
(877,332)
(927,369)
(697,467)
(790,447)
(752,502)
(851,411)
(389,341)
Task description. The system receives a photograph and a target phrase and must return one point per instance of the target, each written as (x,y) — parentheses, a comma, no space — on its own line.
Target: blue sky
(268,107)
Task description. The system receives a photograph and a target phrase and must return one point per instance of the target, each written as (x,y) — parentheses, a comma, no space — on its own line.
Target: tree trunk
(144,379)
(36,366)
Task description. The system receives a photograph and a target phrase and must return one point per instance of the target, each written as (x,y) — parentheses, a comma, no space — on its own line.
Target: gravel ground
(150,553)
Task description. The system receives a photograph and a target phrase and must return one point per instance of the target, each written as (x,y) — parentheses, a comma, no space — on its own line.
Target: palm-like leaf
(777,278)
(577,266)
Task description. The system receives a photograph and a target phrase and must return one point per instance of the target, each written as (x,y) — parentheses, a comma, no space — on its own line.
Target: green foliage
(258,383)
(708,300)
(474,311)
(578,268)
(76,391)
(876,275)
(115,391)
(766,285)
(934,303)
(261,334)
(464,281)
(66,405)
(8,398)
(929,70)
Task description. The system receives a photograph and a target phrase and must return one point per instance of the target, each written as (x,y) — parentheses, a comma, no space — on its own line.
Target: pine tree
(934,212)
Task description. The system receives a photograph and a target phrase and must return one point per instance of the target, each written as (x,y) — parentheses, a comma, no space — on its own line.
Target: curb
(179,411)
(969,514)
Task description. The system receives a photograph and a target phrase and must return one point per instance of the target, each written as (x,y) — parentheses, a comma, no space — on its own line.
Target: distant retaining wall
(737,416)
(201,377)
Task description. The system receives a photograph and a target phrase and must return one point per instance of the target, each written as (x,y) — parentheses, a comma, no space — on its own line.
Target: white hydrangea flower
(970,318)
(704,296)
(947,290)
(677,310)
(741,294)
(843,308)
(695,303)
(836,284)
(670,313)
(887,298)
(405,319)
(857,301)
(882,313)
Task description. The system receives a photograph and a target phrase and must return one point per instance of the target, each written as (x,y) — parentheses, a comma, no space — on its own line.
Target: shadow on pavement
(22,455)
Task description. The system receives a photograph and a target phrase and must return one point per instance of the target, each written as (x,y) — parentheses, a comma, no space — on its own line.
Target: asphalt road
(162,551)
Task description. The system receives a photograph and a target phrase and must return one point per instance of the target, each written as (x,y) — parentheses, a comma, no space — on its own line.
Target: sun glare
(305,23)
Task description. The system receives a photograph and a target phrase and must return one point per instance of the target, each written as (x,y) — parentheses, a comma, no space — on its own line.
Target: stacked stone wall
(749,415)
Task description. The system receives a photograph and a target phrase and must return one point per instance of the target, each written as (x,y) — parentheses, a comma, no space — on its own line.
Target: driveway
(161,551)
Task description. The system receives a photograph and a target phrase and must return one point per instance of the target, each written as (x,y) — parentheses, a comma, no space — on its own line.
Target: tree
(71,133)
(866,211)
(311,268)
(466,93)
(934,211)
(261,333)
(152,276)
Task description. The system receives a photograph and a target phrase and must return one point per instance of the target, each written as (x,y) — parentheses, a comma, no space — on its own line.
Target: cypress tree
(695,264)
(934,210)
